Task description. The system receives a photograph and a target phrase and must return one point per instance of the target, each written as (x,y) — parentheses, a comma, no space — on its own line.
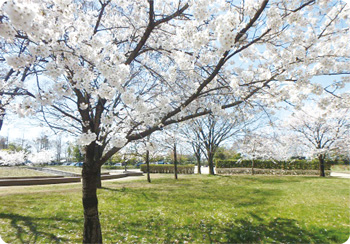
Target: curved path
(60,178)
(341,175)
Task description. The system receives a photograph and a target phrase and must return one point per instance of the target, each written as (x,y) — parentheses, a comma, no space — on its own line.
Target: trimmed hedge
(269,164)
(168,168)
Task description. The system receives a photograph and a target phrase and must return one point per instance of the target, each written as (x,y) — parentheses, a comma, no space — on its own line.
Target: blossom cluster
(12,158)
(41,157)
(20,14)
(82,55)
(86,138)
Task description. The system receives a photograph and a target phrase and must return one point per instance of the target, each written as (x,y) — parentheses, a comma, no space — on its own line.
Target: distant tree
(191,138)
(116,158)
(211,131)
(16,148)
(223,153)
(171,141)
(42,142)
(181,158)
(254,147)
(321,131)
(3,142)
(77,156)
(58,148)
(149,146)
(196,147)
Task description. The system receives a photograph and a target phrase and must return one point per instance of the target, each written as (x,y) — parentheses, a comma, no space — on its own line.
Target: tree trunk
(211,164)
(147,163)
(175,162)
(92,227)
(253,167)
(199,164)
(99,182)
(322,166)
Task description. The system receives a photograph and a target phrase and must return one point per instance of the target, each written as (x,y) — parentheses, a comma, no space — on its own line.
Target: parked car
(4,164)
(118,164)
(79,164)
(28,162)
(71,164)
(159,162)
(139,164)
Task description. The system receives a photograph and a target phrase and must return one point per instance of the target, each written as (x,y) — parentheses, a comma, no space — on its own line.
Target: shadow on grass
(254,230)
(273,179)
(171,195)
(122,189)
(279,230)
(27,230)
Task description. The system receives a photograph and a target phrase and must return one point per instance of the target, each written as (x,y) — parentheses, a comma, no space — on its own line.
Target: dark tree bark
(90,173)
(99,182)
(211,163)
(175,162)
(252,166)
(198,153)
(147,163)
(198,157)
(321,159)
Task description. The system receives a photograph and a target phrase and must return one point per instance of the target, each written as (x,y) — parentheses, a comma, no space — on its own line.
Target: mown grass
(72,169)
(20,172)
(193,209)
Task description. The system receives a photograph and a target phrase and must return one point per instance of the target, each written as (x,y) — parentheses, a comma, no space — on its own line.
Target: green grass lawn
(71,169)
(193,209)
(20,172)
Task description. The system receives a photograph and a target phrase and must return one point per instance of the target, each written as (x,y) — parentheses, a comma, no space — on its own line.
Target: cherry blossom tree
(113,72)
(42,157)
(321,131)
(254,147)
(146,149)
(172,138)
(12,158)
(266,144)
(149,147)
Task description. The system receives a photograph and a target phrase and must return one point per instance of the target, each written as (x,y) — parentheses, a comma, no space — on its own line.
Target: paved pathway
(341,175)
(204,170)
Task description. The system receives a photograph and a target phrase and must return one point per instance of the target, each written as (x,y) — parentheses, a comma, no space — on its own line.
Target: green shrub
(168,168)
(269,164)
